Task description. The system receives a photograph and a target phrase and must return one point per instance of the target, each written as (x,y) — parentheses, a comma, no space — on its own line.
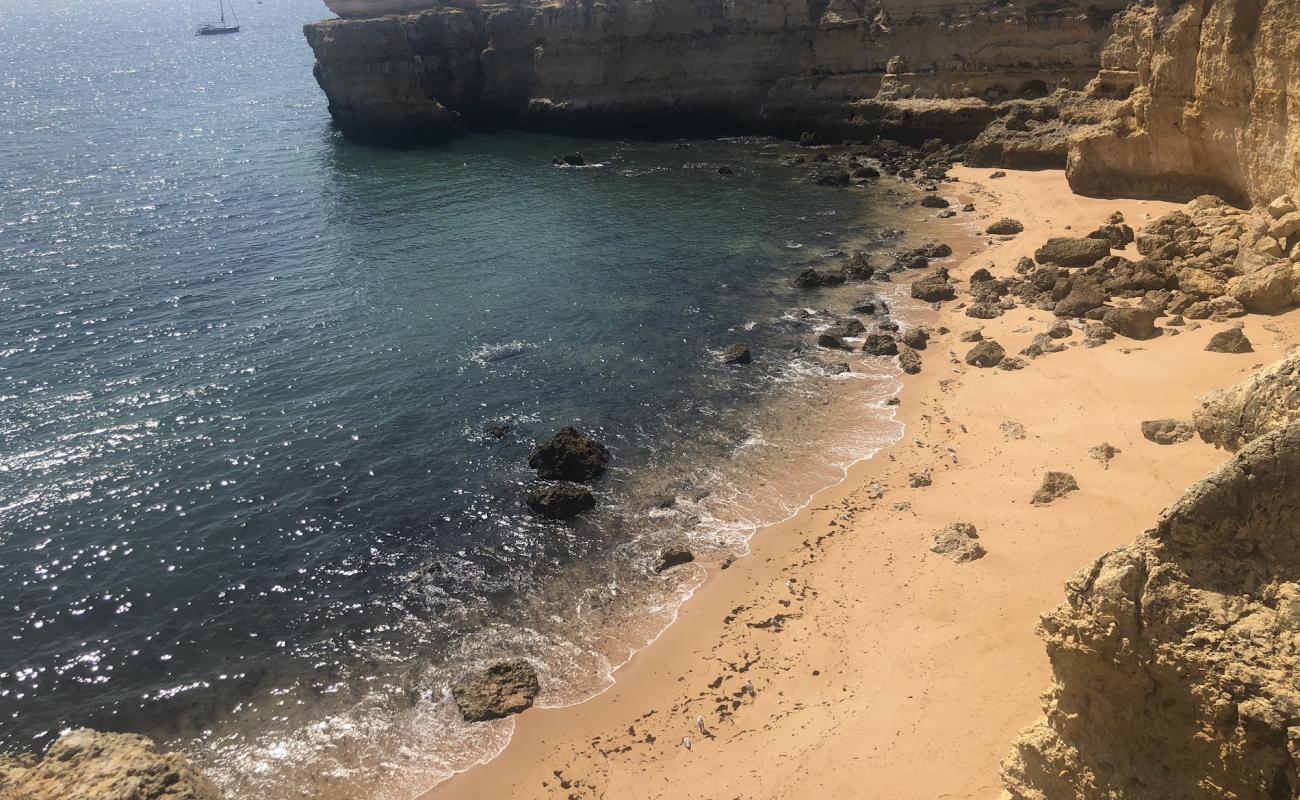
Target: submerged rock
(673,557)
(560,501)
(737,354)
(85,764)
(569,456)
(503,689)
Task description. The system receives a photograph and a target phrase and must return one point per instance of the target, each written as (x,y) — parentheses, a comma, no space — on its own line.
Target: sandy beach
(843,658)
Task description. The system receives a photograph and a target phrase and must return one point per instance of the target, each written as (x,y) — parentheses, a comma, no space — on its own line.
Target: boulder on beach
(1233,340)
(959,542)
(910,361)
(986,353)
(916,338)
(1005,227)
(1167,431)
(1133,323)
(934,288)
(934,201)
(1054,485)
(880,344)
(505,688)
(569,456)
(1065,251)
(673,557)
(560,501)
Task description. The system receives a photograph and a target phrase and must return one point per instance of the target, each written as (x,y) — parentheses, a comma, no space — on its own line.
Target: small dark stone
(673,557)
(1055,484)
(831,342)
(726,170)
(737,354)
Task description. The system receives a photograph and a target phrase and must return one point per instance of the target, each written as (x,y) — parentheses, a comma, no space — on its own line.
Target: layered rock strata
(914,67)
(1216,108)
(1175,660)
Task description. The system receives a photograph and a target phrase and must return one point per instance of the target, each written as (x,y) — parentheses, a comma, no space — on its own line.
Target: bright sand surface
(879,669)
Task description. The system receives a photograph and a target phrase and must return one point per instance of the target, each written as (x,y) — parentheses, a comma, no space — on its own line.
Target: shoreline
(628,740)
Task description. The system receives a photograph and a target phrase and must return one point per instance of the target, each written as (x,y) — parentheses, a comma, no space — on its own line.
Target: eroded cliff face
(918,67)
(1217,107)
(1175,660)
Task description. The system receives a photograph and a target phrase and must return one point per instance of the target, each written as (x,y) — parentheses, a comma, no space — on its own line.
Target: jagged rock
(1070,252)
(673,557)
(919,480)
(987,353)
(1012,429)
(975,335)
(880,344)
(503,689)
(1012,363)
(916,338)
(958,542)
(1267,401)
(1270,289)
(1055,485)
(859,267)
(1173,659)
(1167,431)
(909,361)
(1119,236)
(1085,295)
(569,456)
(84,764)
(560,501)
(869,306)
(1005,227)
(1133,323)
(1233,340)
(983,311)
(737,354)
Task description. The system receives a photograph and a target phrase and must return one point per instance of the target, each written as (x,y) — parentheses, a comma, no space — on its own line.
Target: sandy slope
(880,670)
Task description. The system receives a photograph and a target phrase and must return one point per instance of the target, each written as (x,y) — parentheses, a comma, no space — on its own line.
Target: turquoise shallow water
(246,505)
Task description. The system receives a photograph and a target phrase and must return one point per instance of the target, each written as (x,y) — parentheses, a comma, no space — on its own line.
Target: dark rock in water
(887,325)
(934,288)
(833,178)
(569,456)
(1167,431)
(1071,252)
(916,338)
(737,354)
(560,501)
(880,344)
(1005,227)
(1055,485)
(910,361)
(571,160)
(1133,323)
(858,267)
(864,173)
(831,342)
(498,430)
(838,368)
(934,201)
(811,139)
(811,278)
(985,354)
(868,305)
(673,557)
(849,326)
(1229,341)
(935,250)
(503,689)
(726,170)
(958,542)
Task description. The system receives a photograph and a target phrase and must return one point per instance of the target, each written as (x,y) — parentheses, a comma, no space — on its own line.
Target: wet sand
(842,658)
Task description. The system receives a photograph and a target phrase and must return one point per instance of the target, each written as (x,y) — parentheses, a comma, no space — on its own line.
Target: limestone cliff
(856,67)
(1216,108)
(89,765)
(1175,660)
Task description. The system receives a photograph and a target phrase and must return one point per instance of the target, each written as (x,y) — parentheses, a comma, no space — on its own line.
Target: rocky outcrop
(88,765)
(916,68)
(1174,660)
(569,456)
(1265,402)
(1216,108)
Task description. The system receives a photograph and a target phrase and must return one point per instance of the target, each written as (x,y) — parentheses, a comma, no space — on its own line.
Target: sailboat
(215,28)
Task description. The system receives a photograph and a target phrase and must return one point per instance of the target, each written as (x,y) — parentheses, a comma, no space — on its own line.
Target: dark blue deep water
(246,504)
